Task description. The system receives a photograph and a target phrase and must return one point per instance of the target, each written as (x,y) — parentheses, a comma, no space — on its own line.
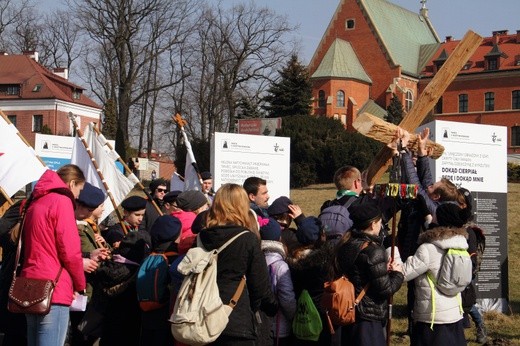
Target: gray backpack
(455,272)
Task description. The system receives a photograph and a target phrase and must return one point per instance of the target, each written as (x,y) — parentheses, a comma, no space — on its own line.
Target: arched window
(340,98)
(321,99)
(408,100)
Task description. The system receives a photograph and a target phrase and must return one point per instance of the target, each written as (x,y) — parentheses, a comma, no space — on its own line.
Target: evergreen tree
(394,111)
(248,108)
(109,127)
(291,94)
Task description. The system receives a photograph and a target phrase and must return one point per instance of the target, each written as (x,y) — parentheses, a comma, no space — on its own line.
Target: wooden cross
(429,97)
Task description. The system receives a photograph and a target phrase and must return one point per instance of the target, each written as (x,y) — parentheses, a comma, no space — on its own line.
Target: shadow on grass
(514,307)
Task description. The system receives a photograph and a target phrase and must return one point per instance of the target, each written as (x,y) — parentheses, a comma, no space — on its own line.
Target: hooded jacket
(369,266)
(51,239)
(282,285)
(242,257)
(428,257)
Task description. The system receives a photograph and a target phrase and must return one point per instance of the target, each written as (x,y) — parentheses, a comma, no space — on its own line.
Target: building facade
(374,50)
(38,100)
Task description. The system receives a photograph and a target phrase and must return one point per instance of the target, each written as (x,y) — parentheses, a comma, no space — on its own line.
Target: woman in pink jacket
(51,241)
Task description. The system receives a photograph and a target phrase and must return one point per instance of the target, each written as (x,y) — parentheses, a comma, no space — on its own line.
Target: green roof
(402,33)
(373,108)
(341,62)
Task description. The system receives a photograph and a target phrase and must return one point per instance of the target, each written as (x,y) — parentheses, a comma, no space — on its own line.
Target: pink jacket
(187,237)
(51,238)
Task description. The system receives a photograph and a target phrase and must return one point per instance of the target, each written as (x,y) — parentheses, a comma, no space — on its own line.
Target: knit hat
(206,175)
(134,203)
(154,184)
(467,213)
(171,196)
(271,231)
(191,200)
(91,196)
(165,228)
(364,214)
(279,206)
(449,215)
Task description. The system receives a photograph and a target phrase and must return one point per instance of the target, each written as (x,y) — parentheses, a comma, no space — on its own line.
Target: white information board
(236,157)
(475,157)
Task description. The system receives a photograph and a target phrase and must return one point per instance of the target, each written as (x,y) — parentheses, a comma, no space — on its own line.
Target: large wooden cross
(427,100)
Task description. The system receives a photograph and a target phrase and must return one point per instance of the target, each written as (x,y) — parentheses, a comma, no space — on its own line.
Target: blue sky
(449,17)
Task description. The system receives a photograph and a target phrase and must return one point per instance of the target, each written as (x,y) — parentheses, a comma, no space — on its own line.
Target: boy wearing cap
(133,213)
(207,185)
(89,200)
(284,211)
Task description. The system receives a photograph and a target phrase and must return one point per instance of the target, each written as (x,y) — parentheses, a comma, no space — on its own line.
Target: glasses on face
(161,190)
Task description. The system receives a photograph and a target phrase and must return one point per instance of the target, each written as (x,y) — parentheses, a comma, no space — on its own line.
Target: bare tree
(127,35)
(235,50)
(12,13)
(60,45)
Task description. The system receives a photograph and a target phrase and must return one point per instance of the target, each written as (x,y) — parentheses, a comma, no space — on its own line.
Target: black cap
(279,206)
(171,196)
(363,214)
(134,203)
(449,215)
(91,196)
(165,228)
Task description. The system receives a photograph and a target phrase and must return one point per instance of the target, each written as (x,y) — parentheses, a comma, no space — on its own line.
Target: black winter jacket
(369,266)
(242,257)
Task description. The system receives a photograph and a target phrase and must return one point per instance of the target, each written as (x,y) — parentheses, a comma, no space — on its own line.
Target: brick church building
(374,49)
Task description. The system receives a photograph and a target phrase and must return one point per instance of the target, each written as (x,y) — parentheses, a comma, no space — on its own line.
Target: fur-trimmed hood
(445,237)
(273,246)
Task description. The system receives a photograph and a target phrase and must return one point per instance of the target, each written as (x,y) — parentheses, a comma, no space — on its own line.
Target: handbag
(26,295)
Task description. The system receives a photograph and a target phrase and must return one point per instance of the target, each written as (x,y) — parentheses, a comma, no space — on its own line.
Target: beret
(206,175)
(279,206)
(271,231)
(171,196)
(165,228)
(134,203)
(154,184)
(191,200)
(449,215)
(363,214)
(91,196)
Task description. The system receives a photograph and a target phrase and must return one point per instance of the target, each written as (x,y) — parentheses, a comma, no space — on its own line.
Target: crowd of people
(283,254)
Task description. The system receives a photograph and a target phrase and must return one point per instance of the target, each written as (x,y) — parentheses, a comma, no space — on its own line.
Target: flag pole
(72,117)
(131,174)
(7,198)
(177,118)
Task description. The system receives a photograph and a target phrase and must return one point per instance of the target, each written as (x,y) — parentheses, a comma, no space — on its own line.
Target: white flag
(118,184)
(191,177)
(176,182)
(19,164)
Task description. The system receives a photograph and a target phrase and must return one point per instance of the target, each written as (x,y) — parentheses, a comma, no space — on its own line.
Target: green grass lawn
(503,329)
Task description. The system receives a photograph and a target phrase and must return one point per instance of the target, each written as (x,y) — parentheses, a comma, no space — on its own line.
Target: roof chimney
(496,36)
(32,54)
(448,38)
(62,72)
(518,36)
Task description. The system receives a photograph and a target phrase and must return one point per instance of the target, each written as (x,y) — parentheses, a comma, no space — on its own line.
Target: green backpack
(307,321)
